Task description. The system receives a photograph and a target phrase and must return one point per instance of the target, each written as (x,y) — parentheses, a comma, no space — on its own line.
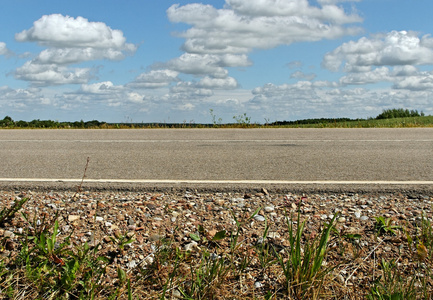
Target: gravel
(149,217)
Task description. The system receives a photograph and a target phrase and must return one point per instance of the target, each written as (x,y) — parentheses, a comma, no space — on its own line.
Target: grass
(223,265)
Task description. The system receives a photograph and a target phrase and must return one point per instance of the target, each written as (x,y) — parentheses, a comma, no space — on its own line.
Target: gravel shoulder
(150,216)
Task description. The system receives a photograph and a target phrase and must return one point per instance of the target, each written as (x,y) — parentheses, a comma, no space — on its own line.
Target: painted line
(214,141)
(176,181)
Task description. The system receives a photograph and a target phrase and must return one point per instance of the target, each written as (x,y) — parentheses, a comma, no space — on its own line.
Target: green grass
(426,121)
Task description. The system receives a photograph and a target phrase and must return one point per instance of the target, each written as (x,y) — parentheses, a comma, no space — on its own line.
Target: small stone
(72,218)
(99,219)
(258,284)
(273,235)
(9,234)
(364,218)
(191,246)
(269,209)
(132,264)
(52,206)
(155,237)
(259,218)
(341,219)
(358,214)
(108,224)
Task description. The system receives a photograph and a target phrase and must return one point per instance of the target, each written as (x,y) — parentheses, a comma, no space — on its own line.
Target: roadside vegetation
(43,263)
(392,118)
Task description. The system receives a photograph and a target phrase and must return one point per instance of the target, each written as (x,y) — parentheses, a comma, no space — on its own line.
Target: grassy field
(426,121)
(419,121)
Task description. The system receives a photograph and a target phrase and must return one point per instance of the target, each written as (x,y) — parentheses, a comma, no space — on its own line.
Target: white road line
(175,181)
(210,141)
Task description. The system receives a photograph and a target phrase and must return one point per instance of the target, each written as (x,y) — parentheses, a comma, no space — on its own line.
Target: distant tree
(6,122)
(398,113)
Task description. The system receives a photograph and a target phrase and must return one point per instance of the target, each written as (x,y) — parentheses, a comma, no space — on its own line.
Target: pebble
(72,218)
(191,246)
(9,234)
(269,209)
(259,218)
(258,284)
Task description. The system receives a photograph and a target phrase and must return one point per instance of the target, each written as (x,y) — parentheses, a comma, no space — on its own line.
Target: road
(256,157)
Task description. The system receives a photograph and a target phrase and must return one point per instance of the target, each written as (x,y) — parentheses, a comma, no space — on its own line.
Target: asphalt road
(261,156)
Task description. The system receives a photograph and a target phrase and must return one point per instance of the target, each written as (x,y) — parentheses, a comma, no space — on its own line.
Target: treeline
(313,121)
(9,122)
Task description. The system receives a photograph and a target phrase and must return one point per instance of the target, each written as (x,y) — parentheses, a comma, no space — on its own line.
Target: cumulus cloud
(219,39)
(198,64)
(52,74)
(105,87)
(218,83)
(310,100)
(69,41)
(395,48)
(391,57)
(155,79)
(22,99)
(327,13)
(67,32)
(259,24)
(4,50)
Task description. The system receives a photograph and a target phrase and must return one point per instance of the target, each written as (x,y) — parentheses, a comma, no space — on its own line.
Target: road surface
(219,157)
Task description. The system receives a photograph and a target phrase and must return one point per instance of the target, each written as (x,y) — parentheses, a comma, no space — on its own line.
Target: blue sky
(173,61)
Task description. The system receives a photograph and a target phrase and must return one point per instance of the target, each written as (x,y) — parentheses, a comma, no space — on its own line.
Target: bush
(398,113)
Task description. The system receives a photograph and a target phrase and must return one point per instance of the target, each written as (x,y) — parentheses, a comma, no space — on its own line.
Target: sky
(213,61)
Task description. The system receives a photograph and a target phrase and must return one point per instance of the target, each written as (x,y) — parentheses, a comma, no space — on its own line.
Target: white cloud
(416,82)
(308,100)
(198,64)
(76,55)
(4,50)
(392,49)
(66,32)
(106,87)
(327,13)
(189,90)
(258,24)
(155,79)
(43,75)
(370,77)
(23,99)
(302,75)
(69,41)
(218,83)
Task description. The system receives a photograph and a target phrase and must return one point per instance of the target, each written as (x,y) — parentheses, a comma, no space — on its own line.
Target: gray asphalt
(220,154)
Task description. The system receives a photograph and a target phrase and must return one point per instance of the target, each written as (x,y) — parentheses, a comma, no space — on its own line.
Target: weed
(392,285)
(303,270)
(122,239)
(8,213)
(385,225)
